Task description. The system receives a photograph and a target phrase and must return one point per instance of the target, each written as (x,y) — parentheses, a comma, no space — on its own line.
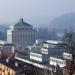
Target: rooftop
(54,41)
(2,42)
(21,25)
(21,22)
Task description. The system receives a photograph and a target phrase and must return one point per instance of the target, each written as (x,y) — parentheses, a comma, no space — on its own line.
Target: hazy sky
(12,10)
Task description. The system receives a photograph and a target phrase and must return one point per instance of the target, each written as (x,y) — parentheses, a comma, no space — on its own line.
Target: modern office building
(21,33)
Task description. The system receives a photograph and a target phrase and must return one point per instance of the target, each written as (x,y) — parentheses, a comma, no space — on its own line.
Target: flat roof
(3,42)
(39,65)
(54,41)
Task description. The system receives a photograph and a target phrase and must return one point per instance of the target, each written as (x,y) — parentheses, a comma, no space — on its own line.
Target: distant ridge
(66,21)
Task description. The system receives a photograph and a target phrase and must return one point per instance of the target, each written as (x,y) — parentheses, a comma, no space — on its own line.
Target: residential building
(41,58)
(57,61)
(47,50)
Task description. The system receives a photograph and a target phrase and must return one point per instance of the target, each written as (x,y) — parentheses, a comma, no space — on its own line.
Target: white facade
(9,36)
(44,50)
(36,56)
(22,33)
(56,61)
(39,57)
(67,56)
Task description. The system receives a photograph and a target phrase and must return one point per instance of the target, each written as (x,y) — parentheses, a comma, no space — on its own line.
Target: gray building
(21,33)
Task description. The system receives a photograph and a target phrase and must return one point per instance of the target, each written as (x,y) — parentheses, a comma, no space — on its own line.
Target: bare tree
(71,46)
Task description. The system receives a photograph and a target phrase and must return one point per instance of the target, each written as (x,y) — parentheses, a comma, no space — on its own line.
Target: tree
(58,70)
(71,46)
(70,43)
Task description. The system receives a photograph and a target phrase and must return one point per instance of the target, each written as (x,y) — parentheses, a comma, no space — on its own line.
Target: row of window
(45,51)
(35,55)
(67,56)
(58,61)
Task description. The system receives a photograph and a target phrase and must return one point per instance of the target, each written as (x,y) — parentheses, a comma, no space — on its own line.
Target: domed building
(21,33)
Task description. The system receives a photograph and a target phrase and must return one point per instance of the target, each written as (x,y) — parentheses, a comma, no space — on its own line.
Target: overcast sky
(12,10)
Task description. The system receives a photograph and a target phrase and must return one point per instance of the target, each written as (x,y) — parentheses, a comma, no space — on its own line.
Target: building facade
(21,33)
(49,53)
(57,61)
(4,70)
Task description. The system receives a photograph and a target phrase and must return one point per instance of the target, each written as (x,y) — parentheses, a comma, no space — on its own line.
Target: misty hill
(40,20)
(66,21)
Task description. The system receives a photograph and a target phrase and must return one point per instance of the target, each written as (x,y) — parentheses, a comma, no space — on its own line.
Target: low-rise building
(57,61)
(41,58)
(14,67)
(43,51)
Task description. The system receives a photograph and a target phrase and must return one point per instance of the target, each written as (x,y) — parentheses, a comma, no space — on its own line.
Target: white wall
(36,56)
(55,61)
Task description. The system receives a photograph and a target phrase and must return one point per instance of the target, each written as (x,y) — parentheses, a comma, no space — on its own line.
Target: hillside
(66,21)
